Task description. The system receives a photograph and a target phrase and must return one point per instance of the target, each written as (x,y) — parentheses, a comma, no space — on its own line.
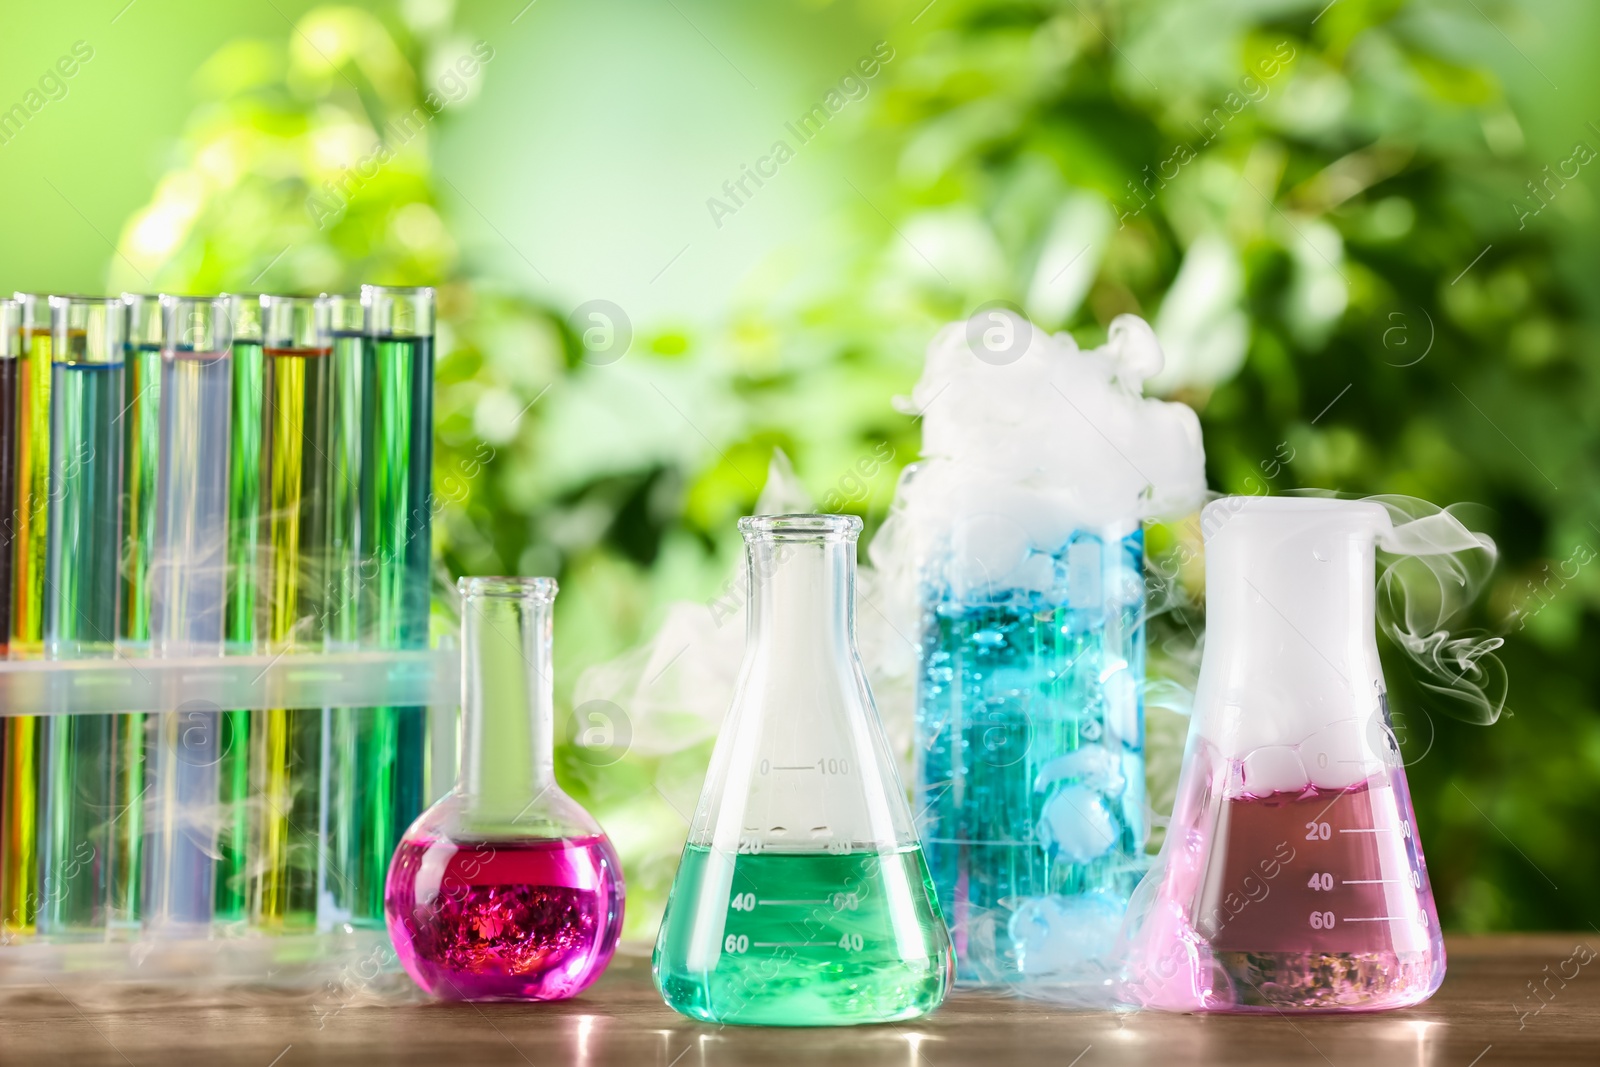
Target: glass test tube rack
(329,955)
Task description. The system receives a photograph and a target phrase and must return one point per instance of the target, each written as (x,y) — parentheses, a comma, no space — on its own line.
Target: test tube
(188,593)
(83,851)
(19,789)
(140,427)
(358,764)
(286,754)
(10,366)
(141,438)
(400,324)
(33,474)
(245,629)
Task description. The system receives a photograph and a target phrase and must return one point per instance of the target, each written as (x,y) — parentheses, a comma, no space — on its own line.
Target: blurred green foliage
(1317,207)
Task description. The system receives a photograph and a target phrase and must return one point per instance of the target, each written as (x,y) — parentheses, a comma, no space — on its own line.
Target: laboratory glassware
(506,888)
(19,778)
(10,368)
(802,898)
(10,373)
(86,850)
(1030,744)
(141,442)
(139,422)
(34,340)
(296,469)
(1292,877)
(245,628)
(1017,538)
(361,747)
(188,557)
(397,556)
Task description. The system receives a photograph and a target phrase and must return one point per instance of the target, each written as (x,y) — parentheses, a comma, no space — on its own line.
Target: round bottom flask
(506,889)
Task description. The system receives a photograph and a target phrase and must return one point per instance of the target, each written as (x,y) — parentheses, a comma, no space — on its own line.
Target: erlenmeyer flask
(802,898)
(1292,878)
(505,889)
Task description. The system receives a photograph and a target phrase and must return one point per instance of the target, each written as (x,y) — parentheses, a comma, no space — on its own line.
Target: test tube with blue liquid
(83,849)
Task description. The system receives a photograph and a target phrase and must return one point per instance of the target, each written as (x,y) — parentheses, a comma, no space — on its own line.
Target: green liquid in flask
(803,938)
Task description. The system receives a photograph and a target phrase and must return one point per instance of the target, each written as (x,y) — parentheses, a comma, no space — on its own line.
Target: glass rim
(10,327)
(35,310)
(182,345)
(396,312)
(74,299)
(800,527)
(100,321)
(1289,504)
(368,290)
(524,588)
(244,311)
(347,314)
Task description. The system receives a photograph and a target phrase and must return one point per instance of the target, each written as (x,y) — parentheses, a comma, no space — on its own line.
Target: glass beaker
(506,888)
(1030,785)
(1292,878)
(802,898)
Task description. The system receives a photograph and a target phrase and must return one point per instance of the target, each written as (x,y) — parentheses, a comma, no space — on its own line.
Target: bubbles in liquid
(1015,549)
(1313,899)
(520,920)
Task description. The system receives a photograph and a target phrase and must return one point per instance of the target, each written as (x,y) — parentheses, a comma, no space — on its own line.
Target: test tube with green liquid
(399,553)
(81,854)
(358,764)
(19,777)
(245,626)
(188,594)
(141,438)
(139,423)
(296,470)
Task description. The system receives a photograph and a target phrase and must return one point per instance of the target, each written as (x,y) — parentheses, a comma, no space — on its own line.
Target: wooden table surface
(1486,1015)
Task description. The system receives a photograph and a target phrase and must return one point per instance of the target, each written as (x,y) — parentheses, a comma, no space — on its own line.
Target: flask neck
(1290,638)
(1325,613)
(802,596)
(507,699)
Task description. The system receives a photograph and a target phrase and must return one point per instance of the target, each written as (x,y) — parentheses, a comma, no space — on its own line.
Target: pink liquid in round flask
(506,889)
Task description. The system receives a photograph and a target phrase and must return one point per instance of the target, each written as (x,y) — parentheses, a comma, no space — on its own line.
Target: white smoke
(1432,569)
(1026,438)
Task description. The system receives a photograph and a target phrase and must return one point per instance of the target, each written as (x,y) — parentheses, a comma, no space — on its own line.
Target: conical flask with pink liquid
(1293,877)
